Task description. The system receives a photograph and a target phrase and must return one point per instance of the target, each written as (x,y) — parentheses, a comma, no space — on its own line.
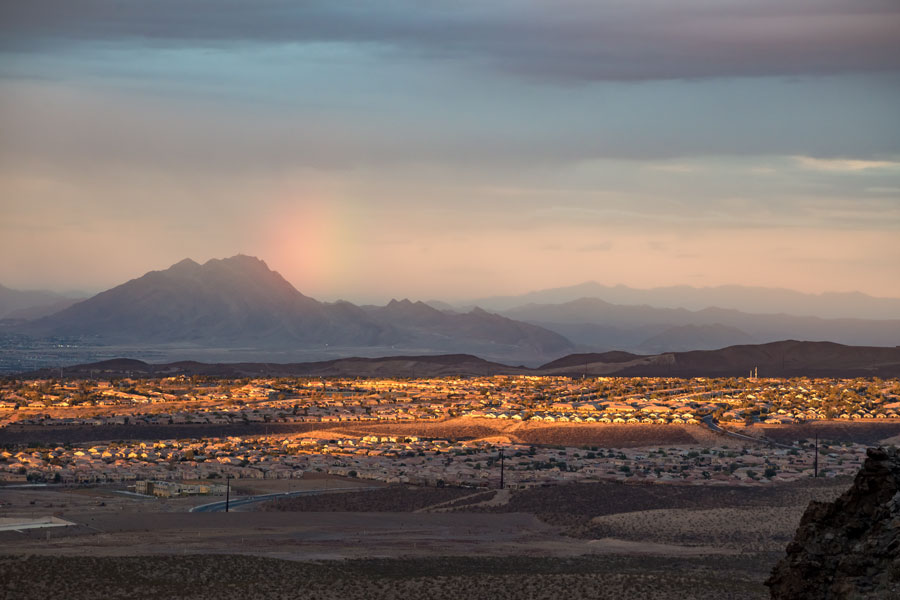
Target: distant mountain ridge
(760,300)
(474,325)
(788,358)
(250,312)
(696,337)
(600,324)
(31,304)
(240,302)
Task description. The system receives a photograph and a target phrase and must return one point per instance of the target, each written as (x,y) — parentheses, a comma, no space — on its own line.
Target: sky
(451,150)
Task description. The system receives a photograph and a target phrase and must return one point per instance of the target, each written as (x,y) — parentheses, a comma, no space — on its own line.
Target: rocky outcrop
(849,548)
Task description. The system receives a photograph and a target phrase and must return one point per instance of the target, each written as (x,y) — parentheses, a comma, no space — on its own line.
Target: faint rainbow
(313,241)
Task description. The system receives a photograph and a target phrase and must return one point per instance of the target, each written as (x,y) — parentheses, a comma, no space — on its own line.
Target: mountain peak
(397,303)
(240,261)
(184,265)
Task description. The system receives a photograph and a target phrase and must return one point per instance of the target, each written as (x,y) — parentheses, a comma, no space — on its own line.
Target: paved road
(237,502)
(708,421)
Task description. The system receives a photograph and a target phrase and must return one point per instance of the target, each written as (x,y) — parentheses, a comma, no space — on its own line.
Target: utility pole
(501,468)
(816,458)
(227,491)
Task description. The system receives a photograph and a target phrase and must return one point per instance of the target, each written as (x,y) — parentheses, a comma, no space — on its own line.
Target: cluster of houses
(612,400)
(394,459)
(780,403)
(636,412)
(173,489)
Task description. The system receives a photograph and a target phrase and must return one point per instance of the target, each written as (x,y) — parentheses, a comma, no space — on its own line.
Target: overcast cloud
(562,40)
(487,147)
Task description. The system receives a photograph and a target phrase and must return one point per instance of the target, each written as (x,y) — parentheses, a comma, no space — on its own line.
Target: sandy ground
(865,431)
(224,577)
(111,524)
(538,433)
(317,536)
(746,529)
(128,547)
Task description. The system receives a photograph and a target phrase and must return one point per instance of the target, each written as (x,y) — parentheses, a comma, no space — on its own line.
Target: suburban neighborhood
(383,429)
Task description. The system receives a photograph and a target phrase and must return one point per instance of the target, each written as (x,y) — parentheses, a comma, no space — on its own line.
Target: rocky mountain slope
(850,548)
(238,300)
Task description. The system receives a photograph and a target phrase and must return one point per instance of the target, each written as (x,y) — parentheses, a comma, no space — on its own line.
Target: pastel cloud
(847,165)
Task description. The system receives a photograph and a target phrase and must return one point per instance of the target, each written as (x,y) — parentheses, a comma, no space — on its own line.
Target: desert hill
(786,358)
(392,366)
(777,359)
(577,360)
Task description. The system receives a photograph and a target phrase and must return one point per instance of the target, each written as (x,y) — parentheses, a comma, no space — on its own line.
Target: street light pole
(816,458)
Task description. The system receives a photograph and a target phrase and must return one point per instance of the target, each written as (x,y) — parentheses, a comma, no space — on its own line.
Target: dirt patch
(391,499)
(310,481)
(452,429)
(869,433)
(462,428)
(621,546)
(574,505)
(607,436)
(467,500)
(748,529)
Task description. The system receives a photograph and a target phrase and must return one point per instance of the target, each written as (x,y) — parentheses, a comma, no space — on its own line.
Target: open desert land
(237,577)
(592,540)
(583,516)
(31,501)
(868,433)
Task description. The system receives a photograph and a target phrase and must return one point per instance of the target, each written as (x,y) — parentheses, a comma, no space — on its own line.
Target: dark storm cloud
(564,40)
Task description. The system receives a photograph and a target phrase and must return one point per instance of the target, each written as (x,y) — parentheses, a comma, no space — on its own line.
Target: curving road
(236,502)
(708,421)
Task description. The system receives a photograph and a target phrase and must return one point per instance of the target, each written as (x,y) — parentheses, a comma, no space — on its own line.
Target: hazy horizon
(462,300)
(408,150)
